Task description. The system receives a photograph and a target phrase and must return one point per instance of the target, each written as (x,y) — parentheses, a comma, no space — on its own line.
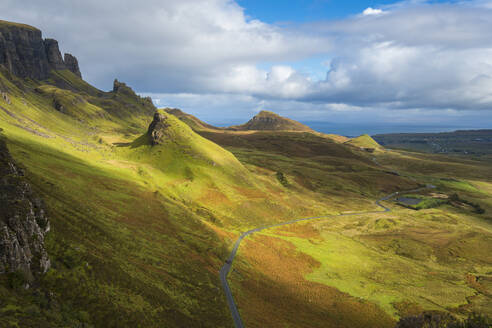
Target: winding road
(226,268)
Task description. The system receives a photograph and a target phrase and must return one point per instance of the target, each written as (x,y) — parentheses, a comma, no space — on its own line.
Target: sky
(380,66)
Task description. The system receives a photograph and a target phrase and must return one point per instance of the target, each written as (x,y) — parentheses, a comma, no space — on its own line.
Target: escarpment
(23,223)
(24,52)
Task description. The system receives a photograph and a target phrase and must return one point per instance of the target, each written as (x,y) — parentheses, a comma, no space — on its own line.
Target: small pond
(409,200)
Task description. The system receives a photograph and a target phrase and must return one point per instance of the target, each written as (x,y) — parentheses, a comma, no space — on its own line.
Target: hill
(192,121)
(364,141)
(269,121)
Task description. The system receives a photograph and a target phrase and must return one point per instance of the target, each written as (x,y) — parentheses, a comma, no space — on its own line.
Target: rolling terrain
(144,206)
(472,143)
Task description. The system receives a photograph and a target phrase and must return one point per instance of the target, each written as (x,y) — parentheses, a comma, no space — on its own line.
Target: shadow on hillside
(143,140)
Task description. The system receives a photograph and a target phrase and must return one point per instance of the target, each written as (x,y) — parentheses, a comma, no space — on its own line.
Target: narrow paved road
(224,271)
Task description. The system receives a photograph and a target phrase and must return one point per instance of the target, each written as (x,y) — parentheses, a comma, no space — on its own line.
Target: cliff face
(25,54)
(23,223)
(72,64)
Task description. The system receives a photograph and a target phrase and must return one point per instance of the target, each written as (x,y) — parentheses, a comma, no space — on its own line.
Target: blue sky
(390,65)
(299,11)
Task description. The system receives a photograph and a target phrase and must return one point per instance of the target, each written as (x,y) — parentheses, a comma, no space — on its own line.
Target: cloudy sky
(386,65)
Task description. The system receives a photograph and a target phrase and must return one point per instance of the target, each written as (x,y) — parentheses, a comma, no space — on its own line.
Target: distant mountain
(269,121)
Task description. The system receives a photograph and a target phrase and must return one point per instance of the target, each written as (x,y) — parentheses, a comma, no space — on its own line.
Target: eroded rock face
(22,51)
(25,54)
(72,64)
(157,129)
(53,54)
(23,222)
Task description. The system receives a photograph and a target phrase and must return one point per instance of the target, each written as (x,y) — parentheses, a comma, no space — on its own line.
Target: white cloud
(403,56)
(371,11)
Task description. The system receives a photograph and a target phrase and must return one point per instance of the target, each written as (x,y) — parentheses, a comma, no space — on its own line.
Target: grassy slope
(123,254)
(404,261)
(269,121)
(364,141)
(192,121)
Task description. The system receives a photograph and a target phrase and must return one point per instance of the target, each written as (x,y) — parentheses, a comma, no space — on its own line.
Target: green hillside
(192,121)
(364,141)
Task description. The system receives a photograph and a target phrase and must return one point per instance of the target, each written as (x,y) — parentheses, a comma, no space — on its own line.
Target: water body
(409,200)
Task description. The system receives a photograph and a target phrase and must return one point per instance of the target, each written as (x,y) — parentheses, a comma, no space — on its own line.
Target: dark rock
(25,54)
(59,106)
(122,88)
(22,51)
(53,54)
(157,128)
(23,223)
(72,64)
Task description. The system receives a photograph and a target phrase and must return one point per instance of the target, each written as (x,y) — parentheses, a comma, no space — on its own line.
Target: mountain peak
(270,121)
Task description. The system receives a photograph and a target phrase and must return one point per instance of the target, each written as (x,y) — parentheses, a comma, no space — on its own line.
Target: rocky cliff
(72,64)
(25,54)
(23,223)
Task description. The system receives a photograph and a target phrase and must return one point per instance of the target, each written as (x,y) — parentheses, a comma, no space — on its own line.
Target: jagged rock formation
(53,54)
(157,128)
(23,223)
(72,64)
(120,89)
(268,121)
(25,54)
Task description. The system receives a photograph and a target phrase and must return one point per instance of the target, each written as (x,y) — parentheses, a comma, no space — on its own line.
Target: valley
(145,206)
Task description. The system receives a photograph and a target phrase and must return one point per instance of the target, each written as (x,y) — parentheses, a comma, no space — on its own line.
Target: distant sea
(352,130)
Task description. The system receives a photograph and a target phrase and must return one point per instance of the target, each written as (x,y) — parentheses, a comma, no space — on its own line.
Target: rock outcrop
(22,51)
(157,129)
(23,223)
(121,90)
(25,54)
(72,64)
(53,54)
